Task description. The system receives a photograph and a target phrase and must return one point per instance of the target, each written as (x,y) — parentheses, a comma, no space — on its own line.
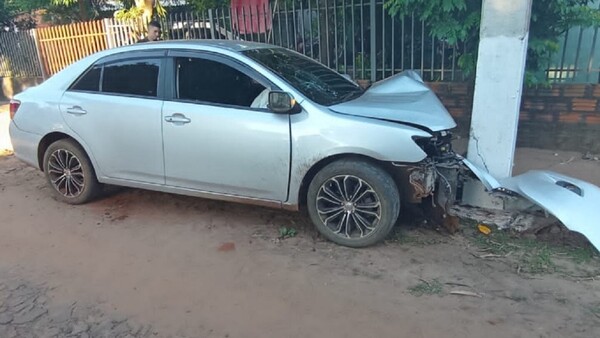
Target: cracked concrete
(28,312)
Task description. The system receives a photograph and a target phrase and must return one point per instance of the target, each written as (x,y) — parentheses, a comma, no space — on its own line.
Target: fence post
(212,26)
(373,39)
(39,54)
(110,36)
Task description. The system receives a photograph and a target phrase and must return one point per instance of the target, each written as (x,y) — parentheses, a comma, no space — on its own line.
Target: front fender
(316,138)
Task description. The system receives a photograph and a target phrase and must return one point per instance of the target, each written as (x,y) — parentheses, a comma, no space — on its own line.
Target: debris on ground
(590,157)
(465,293)
(484,229)
(514,220)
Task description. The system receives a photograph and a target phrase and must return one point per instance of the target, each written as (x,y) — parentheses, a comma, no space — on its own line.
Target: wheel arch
(316,167)
(49,139)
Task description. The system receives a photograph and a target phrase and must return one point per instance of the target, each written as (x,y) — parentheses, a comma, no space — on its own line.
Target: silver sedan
(239,121)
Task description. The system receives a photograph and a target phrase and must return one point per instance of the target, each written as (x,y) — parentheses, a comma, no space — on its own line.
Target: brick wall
(562,117)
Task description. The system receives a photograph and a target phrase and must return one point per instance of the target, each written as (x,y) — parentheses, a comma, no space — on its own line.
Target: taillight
(14,106)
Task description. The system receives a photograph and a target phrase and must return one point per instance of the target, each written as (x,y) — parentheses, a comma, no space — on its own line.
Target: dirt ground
(146,264)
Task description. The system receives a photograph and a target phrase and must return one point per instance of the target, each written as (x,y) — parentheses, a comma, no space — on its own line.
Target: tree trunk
(147,7)
(83,10)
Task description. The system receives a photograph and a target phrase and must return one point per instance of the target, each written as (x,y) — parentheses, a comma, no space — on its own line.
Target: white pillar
(498,86)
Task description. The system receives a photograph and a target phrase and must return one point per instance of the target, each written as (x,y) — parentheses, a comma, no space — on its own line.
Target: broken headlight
(438,147)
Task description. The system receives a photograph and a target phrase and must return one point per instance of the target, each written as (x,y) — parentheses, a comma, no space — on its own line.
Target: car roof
(229,45)
(64,78)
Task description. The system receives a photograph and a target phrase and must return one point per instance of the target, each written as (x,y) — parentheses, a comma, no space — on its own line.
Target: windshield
(317,82)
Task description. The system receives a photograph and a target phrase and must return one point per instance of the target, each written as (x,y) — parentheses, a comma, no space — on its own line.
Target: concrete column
(498,87)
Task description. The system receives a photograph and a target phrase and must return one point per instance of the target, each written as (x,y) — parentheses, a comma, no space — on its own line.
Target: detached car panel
(574,202)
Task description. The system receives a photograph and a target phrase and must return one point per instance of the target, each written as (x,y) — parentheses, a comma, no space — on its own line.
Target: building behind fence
(356,37)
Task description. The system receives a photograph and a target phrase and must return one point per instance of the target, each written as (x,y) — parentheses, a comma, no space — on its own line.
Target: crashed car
(244,122)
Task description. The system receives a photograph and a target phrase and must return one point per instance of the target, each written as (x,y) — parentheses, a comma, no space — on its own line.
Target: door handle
(177,119)
(76,110)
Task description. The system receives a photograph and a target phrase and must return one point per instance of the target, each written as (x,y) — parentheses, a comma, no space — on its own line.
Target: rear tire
(353,203)
(69,172)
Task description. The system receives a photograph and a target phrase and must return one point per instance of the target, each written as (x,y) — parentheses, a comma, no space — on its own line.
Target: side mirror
(282,103)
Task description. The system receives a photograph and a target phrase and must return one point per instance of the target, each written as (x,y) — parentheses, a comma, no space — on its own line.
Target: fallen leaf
(484,229)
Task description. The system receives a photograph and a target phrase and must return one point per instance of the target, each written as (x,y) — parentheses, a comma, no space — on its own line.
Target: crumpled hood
(402,98)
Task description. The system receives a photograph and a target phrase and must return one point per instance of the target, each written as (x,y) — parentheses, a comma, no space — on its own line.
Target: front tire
(69,172)
(353,203)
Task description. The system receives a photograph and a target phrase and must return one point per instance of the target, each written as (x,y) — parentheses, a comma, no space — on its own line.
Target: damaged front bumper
(437,175)
(572,201)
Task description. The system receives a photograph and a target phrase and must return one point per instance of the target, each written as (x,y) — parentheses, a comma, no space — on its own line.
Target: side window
(132,77)
(214,82)
(90,81)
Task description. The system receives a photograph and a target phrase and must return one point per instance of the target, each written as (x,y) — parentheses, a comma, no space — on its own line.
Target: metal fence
(360,38)
(19,55)
(356,37)
(578,60)
(121,32)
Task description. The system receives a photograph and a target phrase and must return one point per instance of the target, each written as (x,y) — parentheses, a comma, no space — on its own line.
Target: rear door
(115,108)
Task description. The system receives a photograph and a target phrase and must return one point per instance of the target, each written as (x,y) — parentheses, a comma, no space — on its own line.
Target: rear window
(132,77)
(90,81)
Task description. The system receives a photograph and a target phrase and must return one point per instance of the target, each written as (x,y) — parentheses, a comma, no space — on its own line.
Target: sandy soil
(155,259)
(140,263)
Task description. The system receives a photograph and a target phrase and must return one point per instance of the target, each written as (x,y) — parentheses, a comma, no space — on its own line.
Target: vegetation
(287,232)
(457,22)
(20,14)
(433,287)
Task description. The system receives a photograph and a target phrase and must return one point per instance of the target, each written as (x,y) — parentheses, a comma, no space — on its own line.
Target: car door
(218,135)
(115,108)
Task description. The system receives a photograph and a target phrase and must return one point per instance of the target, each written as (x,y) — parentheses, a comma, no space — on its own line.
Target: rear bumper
(25,145)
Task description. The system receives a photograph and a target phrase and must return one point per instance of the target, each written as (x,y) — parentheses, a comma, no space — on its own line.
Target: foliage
(433,287)
(13,12)
(457,22)
(287,232)
(135,11)
(21,13)
(208,4)
(18,13)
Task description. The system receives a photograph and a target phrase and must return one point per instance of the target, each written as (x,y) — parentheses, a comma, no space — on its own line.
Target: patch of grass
(433,287)
(595,310)
(403,237)
(539,260)
(518,299)
(534,256)
(582,254)
(287,232)
(497,243)
(414,238)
